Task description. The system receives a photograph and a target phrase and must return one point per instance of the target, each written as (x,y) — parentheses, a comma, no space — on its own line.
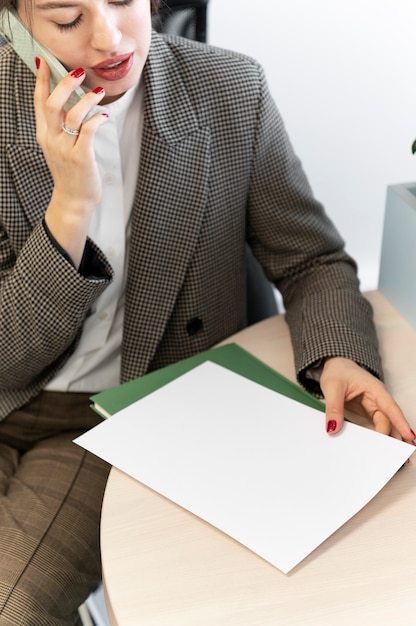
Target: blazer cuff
(90,266)
(310,377)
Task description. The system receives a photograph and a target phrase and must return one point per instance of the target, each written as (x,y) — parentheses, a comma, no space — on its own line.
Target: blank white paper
(251,462)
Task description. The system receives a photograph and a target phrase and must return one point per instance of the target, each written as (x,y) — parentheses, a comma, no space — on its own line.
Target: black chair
(188,18)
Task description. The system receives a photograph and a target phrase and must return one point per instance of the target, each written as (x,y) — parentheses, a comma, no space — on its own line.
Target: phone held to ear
(17,35)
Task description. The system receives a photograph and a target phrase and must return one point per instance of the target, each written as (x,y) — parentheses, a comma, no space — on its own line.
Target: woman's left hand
(346,385)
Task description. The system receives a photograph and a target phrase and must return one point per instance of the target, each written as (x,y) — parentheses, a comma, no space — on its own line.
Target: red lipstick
(114,68)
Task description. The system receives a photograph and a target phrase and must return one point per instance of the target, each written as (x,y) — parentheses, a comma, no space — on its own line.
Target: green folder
(230,356)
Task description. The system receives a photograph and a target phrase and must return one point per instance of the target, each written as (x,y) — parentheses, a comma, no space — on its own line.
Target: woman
(122,250)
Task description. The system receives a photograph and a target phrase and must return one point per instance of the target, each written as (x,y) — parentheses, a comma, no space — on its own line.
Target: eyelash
(78,20)
(71,25)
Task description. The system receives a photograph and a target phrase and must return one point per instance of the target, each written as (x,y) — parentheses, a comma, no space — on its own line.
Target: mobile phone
(17,35)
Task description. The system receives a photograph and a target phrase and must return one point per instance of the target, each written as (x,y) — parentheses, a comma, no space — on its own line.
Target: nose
(105,32)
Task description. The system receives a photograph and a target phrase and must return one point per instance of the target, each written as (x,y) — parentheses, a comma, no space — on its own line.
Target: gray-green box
(398,253)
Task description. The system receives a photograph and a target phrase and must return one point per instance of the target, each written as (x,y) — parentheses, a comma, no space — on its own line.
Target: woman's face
(109,39)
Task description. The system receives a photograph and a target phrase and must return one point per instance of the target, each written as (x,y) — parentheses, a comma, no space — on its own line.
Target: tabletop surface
(164,566)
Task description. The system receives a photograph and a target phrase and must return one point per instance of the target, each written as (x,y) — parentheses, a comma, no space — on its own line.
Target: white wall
(343,74)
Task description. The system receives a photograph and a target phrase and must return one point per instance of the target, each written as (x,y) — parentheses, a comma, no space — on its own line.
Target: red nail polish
(99,91)
(37,62)
(331,426)
(78,72)
(413,433)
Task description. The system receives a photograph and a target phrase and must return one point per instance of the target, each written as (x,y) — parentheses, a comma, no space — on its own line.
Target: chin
(113,91)
(109,99)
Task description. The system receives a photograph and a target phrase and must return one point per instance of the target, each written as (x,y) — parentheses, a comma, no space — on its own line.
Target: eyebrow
(56,5)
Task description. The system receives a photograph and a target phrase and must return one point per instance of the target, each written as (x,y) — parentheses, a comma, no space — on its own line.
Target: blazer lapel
(168,210)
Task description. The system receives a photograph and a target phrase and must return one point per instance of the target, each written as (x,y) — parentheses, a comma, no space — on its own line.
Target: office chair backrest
(187,18)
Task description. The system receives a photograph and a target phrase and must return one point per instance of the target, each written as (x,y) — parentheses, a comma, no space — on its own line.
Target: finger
(55,105)
(400,424)
(76,118)
(334,394)
(395,433)
(42,91)
(88,130)
(382,423)
(58,98)
(387,406)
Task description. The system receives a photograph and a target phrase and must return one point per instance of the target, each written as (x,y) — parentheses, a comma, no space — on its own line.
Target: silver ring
(70,131)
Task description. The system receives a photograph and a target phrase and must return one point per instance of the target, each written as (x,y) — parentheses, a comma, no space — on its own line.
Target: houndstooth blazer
(216,170)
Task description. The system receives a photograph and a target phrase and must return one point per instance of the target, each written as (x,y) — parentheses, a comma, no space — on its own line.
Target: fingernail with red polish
(37,63)
(413,433)
(99,91)
(331,426)
(78,72)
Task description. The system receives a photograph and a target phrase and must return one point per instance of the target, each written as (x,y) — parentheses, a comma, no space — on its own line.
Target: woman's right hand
(70,158)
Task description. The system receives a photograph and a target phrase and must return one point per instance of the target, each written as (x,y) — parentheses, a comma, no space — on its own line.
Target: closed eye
(70,25)
(78,20)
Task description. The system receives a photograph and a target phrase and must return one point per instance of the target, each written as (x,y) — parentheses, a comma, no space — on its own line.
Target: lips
(114,68)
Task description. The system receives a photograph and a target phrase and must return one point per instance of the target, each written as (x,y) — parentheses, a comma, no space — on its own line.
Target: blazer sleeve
(304,255)
(44,301)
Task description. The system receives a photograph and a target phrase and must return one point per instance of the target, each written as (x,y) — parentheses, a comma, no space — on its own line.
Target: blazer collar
(169,113)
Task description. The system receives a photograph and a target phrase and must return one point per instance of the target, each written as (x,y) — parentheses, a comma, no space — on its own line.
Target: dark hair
(5,4)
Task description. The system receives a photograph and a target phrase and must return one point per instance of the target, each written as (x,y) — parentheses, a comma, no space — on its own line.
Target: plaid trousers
(50,501)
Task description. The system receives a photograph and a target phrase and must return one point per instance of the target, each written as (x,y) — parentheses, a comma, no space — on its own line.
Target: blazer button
(194,326)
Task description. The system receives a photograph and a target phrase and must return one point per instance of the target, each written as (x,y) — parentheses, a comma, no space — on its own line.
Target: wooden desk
(164,567)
